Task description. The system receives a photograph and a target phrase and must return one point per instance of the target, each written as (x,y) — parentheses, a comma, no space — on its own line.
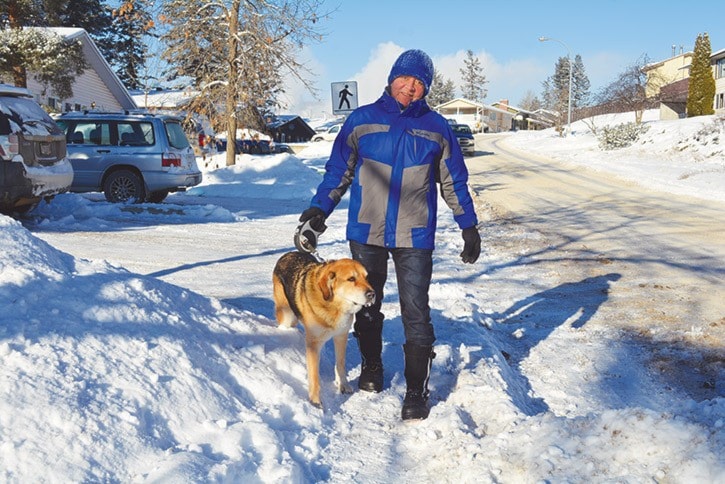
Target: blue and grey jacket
(391,161)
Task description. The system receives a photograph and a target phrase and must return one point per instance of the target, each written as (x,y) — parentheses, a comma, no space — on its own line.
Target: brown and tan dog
(323,296)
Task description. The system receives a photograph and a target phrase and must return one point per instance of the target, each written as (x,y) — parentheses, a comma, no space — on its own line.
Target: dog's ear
(326,280)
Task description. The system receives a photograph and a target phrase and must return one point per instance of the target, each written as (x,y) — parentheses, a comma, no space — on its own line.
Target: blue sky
(364,38)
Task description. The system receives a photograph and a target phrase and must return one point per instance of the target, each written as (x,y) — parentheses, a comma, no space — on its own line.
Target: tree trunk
(20,78)
(231,104)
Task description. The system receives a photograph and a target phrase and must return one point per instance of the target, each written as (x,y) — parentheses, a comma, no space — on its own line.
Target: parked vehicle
(33,162)
(199,132)
(465,138)
(328,135)
(130,157)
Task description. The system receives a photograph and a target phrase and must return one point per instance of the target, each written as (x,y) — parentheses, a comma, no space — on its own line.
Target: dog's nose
(370,297)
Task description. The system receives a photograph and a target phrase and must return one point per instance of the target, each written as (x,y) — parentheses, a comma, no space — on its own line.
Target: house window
(720,68)
(720,101)
(53,103)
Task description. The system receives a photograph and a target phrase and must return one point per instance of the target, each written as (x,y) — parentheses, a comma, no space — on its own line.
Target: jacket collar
(414,110)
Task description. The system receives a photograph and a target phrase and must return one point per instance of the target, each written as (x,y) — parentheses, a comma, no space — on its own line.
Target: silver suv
(130,157)
(33,163)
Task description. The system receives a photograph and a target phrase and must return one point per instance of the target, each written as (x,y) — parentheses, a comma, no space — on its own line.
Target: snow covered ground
(115,375)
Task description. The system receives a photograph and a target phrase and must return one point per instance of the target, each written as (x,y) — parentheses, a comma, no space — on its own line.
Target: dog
(323,296)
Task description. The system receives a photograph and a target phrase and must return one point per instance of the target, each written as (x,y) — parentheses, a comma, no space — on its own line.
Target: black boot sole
(370,387)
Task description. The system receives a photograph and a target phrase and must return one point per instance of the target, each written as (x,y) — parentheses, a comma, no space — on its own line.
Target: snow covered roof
(163,98)
(458,103)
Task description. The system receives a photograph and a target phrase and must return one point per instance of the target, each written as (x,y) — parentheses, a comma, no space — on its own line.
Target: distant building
(670,80)
(463,111)
(491,118)
(289,129)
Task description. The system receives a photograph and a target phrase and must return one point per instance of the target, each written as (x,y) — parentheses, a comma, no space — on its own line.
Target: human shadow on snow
(525,324)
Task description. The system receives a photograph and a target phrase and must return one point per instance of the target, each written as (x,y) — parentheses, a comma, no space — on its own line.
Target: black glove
(316,217)
(471,245)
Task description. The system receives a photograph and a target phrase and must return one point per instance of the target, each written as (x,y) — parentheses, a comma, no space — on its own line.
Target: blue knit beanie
(414,63)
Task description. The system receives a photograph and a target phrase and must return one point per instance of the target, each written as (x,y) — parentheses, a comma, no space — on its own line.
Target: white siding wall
(87,88)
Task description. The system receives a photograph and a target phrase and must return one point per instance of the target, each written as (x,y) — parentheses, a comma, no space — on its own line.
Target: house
(491,118)
(463,111)
(669,79)
(289,129)
(97,88)
(718,65)
(502,114)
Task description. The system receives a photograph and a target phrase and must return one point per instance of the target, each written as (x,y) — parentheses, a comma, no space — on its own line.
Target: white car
(329,135)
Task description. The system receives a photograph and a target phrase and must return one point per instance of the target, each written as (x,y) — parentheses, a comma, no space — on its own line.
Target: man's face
(406,89)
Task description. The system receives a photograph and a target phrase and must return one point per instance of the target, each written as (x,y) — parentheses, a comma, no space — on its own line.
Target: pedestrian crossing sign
(344,97)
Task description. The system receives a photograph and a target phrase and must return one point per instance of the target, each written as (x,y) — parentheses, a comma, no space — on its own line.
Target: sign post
(344,97)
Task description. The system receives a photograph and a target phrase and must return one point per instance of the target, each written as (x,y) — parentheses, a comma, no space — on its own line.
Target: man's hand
(316,217)
(471,245)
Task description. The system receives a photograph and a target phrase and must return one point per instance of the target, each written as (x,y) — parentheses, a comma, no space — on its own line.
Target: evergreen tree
(701,89)
(236,51)
(473,79)
(441,90)
(54,62)
(556,88)
(556,91)
(132,25)
(580,84)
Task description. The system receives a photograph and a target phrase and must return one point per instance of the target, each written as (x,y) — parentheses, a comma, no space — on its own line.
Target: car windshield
(462,128)
(177,138)
(24,114)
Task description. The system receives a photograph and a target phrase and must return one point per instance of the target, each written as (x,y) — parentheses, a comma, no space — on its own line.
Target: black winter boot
(371,348)
(418,360)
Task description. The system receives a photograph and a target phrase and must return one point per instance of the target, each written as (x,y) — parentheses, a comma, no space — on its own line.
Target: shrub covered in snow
(620,135)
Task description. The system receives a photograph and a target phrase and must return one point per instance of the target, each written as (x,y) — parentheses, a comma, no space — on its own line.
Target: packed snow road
(584,344)
(665,253)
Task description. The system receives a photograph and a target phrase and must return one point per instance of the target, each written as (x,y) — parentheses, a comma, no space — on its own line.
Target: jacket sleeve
(339,171)
(454,183)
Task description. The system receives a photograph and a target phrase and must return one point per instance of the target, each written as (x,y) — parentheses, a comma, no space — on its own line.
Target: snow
(114,374)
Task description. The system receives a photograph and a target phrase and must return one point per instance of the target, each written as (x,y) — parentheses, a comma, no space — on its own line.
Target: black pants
(413,270)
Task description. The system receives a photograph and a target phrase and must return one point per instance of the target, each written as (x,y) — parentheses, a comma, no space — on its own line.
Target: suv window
(177,137)
(135,134)
(110,133)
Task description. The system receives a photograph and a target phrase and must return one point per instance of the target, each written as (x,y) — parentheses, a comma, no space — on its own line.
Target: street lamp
(571,70)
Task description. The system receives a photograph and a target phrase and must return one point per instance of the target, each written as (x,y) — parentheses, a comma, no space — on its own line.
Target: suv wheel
(124,186)
(157,197)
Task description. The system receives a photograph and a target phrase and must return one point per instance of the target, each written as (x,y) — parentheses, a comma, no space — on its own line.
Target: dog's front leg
(313,371)
(340,375)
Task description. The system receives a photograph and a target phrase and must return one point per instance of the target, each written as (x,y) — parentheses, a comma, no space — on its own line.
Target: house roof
(163,98)
(717,55)
(97,62)
(459,102)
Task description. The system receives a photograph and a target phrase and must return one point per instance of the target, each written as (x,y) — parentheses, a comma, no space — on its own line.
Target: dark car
(255,147)
(33,163)
(130,157)
(465,138)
